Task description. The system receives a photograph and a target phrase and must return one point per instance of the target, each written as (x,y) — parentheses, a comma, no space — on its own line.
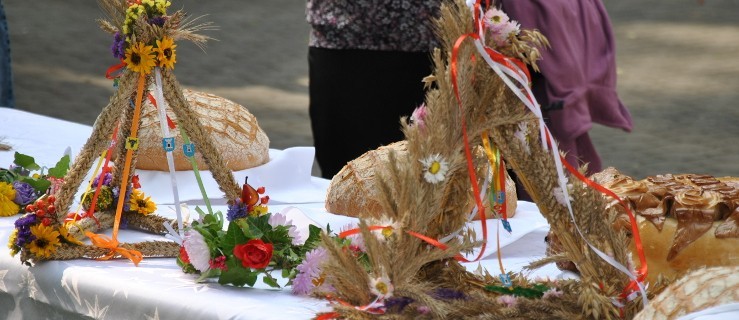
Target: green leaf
(27,162)
(272,282)
(234,236)
(7,176)
(285,273)
(60,170)
(237,275)
(41,185)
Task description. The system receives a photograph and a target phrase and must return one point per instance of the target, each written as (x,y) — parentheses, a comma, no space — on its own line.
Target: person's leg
(357,98)
(6,76)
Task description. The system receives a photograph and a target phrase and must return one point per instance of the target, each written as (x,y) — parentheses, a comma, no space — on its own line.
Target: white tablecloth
(157,289)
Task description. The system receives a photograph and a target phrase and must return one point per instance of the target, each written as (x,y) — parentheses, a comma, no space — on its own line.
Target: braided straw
(156,249)
(150,223)
(190,123)
(96,143)
(104,221)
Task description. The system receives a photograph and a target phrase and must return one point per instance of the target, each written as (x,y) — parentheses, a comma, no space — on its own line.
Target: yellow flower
(64,232)
(166,53)
(11,243)
(259,211)
(47,239)
(7,206)
(141,203)
(140,58)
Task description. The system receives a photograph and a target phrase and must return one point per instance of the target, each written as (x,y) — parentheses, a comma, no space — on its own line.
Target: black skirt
(357,98)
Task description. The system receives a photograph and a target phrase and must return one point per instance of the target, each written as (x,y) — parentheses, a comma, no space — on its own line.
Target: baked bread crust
(354,191)
(234,131)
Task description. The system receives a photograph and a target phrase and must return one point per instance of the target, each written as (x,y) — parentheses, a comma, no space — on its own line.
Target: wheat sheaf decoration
(406,270)
(144,37)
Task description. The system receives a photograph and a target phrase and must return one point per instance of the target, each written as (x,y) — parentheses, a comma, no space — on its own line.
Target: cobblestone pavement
(678,73)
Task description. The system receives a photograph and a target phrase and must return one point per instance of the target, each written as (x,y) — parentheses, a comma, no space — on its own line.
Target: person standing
(366,59)
(6,76)
(576,85)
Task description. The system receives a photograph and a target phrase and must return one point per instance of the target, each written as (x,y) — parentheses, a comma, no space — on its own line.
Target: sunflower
(47,239)
(140,58)
(166,54)
(64,232)
(434,168)
(7,206)
(141,203)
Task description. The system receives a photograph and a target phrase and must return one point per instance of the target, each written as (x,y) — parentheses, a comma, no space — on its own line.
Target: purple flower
(24,193)
(310,270)
(116,193)
(107,179)
(448,294)
(23,224)
(397,304)
(119,46)
(236,210)
(159,21)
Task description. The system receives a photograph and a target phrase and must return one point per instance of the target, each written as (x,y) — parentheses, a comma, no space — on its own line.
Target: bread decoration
(234,131)
(354,191)
(686,221)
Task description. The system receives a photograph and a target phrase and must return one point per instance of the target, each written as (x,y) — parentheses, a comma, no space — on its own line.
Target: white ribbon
(518,75)
(161,108)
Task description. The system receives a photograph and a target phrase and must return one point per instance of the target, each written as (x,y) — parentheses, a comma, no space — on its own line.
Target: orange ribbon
(102,241)
(113,243)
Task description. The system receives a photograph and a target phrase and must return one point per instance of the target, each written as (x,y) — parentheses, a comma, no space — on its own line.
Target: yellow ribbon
(102,241)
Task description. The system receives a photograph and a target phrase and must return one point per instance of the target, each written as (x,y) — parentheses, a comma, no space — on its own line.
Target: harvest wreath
(480,95)
(144,41)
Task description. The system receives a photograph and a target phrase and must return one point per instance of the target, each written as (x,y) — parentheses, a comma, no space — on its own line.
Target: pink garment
(578,71)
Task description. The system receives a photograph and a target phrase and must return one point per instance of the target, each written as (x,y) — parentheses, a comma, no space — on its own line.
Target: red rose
(254,254)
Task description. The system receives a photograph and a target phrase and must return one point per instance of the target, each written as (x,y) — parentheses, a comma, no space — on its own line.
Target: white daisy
(434,168)
(390,227)
(381,286)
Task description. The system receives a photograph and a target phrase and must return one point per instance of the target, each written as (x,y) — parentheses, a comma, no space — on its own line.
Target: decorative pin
(168,144)
(506,279)
(507,226)
(500,197)
(189,149)
(132,143)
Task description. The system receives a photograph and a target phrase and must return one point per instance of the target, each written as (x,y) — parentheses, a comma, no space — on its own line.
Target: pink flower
(310,276)
(197,250)
(418,116)
(507,300)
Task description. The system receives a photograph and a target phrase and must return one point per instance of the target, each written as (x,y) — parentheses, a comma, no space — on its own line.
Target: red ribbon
(115,69)
(153,101)
(642,272)
(93,203)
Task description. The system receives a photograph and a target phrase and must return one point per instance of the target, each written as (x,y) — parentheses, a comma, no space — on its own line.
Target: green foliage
(60,170)
(534,292)
(285,255)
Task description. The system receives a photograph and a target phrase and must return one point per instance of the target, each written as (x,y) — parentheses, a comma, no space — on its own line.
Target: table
(157,289)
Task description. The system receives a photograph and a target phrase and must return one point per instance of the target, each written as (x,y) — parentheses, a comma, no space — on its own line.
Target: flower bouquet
(25,181)
(254,242)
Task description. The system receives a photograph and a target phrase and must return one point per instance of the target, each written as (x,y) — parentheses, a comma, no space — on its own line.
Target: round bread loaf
(233,130)
(359,177)
(685,221)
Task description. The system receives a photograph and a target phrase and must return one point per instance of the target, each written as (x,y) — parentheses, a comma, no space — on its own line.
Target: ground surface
(678,73)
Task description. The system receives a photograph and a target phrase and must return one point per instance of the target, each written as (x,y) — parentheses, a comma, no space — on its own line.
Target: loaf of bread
(233,130)
(359,177)
(685,221)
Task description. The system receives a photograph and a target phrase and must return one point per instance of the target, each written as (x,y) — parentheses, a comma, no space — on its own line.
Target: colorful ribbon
(166,134)
(102,241)
(112,244)
(508,70)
